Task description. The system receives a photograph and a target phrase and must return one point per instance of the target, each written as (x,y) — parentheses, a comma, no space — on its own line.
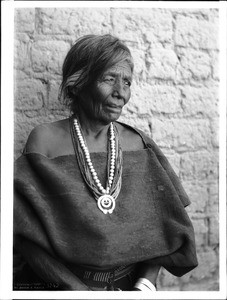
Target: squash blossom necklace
(105,197)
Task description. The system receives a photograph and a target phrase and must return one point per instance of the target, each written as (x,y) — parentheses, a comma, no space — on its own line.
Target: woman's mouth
(113,107)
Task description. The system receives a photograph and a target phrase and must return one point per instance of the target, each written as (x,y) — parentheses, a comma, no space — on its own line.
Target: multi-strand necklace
(105,196)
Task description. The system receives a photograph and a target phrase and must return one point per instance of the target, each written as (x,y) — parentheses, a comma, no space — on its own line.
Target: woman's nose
(119,89)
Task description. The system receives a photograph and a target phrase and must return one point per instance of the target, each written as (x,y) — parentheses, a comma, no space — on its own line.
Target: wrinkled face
(109,94)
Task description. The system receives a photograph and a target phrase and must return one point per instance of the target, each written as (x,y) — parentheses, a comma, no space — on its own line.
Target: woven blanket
(57,222)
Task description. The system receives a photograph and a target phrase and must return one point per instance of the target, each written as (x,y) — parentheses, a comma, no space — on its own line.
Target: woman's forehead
(121,68)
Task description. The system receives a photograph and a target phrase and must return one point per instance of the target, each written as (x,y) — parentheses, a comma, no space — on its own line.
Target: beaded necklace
(105,197)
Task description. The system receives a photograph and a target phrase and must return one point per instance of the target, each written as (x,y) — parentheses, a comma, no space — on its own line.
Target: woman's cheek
(102,93)
(128,96)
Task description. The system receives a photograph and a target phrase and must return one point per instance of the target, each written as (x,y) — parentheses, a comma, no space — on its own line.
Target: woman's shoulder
(46,137)
(135,139)
(131,137)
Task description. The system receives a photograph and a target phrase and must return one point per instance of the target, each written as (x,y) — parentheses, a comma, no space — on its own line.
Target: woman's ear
(73,92)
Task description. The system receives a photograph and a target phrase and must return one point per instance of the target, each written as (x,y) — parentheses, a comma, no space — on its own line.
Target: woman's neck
(92,127)
(94,132)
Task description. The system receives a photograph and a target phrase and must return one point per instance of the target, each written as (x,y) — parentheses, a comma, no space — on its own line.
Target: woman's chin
(112,117)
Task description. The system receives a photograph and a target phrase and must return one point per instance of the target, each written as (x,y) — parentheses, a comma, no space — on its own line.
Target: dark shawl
(57,223)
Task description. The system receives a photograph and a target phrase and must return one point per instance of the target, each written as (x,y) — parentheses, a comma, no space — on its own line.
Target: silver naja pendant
(106,204)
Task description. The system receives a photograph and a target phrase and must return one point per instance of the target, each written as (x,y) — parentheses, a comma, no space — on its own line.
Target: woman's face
(105,100)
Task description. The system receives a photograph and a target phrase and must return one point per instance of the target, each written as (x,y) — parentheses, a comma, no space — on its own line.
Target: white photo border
(7,142)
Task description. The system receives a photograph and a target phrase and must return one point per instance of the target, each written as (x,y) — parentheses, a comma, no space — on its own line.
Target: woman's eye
(113,80)
(127,82)
(110,80)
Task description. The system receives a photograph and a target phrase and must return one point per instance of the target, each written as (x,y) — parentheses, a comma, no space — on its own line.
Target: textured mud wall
(174,98)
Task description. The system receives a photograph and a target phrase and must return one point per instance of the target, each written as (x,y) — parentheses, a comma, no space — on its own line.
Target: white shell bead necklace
(106,202)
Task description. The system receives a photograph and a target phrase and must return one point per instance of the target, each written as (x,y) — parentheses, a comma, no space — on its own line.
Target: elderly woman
(97,205)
